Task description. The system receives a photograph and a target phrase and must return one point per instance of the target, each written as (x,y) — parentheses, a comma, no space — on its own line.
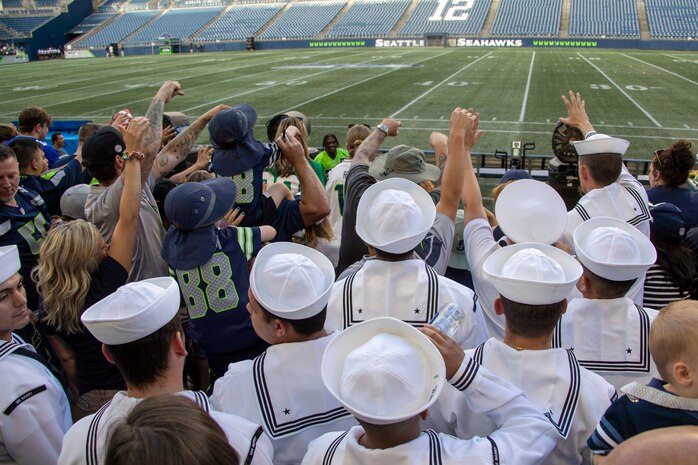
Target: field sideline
(648,97)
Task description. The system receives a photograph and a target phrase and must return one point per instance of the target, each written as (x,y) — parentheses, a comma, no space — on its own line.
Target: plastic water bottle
(448,319)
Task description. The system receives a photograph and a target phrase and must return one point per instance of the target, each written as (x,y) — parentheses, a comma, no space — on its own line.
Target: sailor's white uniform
(409,290)
(609,337)
(283,391)
(524,436)
(34,410)
(572,398)
(625,199)
(85,442)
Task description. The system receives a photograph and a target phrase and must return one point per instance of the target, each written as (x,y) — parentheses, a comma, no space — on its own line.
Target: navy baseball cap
(515,175)
(101,147)
(193,209)
(668,224)
(235,150)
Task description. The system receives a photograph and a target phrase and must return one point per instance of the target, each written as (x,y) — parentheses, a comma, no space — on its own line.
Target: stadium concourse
(421,248)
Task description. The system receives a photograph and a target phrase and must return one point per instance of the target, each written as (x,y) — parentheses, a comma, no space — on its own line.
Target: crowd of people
(266,302)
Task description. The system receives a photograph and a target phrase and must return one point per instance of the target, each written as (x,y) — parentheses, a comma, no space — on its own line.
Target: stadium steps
(485,32)
(335,20)
(9,30)
(403,19)
(642,17)
(128,37)
(278,15)
(565,19)
(93,31)
(206,26)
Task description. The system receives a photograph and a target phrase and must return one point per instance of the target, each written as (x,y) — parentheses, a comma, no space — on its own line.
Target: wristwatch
(383,128)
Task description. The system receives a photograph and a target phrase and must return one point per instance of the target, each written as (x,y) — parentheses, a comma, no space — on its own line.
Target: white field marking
(495,121)
(662,69)
(629,123)
(646,113)
(215,82)
(689,60)
(522,115)
(503,131)
(355,84)
(267,87)
(494,118)
(686,126)
(430,90)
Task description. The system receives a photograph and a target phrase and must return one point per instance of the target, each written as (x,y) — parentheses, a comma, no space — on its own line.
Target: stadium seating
(240,22)
(24,24)
(526,18)
(92,21)
(303,19)
(176,23)
(110,5)
(427,19)
(672,19)
(369,18)
(46,3)
(136,5)
(610,18)
(12,4)
(118,29)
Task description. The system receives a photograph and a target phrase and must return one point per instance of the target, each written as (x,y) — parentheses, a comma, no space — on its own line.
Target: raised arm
(153,137)
(368,150)
(179,147)
(203,158)
(471,195)
(123,241)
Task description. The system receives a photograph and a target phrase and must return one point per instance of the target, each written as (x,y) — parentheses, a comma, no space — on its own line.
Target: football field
(648,97)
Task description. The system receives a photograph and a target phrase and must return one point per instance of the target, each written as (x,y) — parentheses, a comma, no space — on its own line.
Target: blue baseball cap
(235,150)
(515,175)
(193,209)
(668,224)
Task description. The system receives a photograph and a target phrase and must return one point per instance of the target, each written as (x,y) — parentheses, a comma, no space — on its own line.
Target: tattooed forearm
(368,150)
(179,147)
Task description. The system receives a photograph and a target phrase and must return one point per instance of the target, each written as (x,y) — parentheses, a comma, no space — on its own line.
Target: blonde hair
(496,190)
(355,136)
(674,336)
(67,258)
(323,230)
(200,175)
(283,167)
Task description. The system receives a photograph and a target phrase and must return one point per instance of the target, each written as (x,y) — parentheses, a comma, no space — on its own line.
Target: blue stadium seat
(12,4)
(429,18)
(672,19)
(609,18)
(240,22)
(118,29)
(92,21)
(176,23)
(527,18)
(303,20)
(24,24)
(369,18)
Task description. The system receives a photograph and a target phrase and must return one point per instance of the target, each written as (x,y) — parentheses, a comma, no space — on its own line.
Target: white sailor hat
(383,370)
(394,215)
(291,281)
(613,249)
(532,273)
(9,262)
(457,259)
(601,143)
(531,211)
(134,311)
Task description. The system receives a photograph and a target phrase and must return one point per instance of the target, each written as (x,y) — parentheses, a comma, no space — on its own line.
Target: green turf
(648,97)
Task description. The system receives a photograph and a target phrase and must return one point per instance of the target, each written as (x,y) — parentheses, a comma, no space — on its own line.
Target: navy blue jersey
(249,184)
(25,226)
(53,183)
(216,293)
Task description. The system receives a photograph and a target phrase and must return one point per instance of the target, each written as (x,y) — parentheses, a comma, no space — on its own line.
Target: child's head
(674,346)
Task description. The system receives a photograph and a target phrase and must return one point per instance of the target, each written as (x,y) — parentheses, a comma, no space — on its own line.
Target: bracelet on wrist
(133,154)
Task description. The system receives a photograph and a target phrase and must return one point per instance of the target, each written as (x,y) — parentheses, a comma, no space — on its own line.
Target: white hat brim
(357,335)
(262,289)
(403,243)
(531,211)
(11,264)
(614,271)
(532,292)
(601,143)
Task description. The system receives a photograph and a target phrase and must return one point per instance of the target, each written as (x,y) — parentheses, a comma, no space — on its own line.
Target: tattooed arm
(368,150)
(153,137)
(179,147)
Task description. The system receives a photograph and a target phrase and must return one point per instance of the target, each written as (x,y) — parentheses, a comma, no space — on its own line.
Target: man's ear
(178,344)
(34,164)
(584,172)
(498,306)
(280,329)
(682,374)
(106,354)
(584,285)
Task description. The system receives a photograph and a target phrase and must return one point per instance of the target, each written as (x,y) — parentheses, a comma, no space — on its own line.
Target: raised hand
(452,354)
(576,113)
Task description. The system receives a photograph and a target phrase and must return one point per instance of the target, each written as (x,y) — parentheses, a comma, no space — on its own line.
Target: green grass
(648,97)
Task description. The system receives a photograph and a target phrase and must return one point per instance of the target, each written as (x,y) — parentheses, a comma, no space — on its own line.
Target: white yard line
(662,69)
(438,85)
(522,115)
(646,113)
(354,84)
(691,59)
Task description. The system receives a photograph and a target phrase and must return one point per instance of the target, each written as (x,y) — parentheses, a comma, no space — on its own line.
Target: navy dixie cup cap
(195,205)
